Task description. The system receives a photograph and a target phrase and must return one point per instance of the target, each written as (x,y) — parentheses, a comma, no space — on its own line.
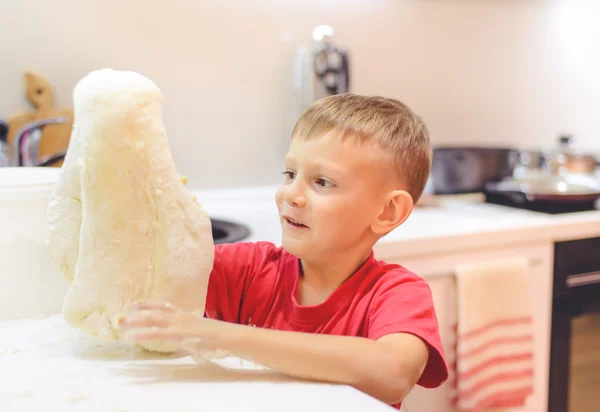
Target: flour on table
(77,398)
(122,226)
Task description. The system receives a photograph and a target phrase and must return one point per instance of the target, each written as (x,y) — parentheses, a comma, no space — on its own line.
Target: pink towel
(492,360)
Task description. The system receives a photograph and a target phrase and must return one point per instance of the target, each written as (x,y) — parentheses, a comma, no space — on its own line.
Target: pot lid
(549,184)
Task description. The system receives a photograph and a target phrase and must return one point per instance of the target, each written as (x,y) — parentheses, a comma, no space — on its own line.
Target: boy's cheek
(279,197)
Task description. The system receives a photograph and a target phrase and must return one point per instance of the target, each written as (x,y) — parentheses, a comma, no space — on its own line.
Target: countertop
(454,226)
(46,365)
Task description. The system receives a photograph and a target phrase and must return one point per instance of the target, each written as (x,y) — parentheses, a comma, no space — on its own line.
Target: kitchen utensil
(566,158)
(30,285)
(27,141)
(457,170)
(549,187)
(33,145)
(52,160)
(5,158)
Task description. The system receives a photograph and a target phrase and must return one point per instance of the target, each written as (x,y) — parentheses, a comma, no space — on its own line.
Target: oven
(575,336)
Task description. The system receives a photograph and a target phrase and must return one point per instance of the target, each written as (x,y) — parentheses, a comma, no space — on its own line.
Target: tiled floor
(585,364)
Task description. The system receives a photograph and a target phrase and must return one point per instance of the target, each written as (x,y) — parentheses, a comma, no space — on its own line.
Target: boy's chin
(297,248)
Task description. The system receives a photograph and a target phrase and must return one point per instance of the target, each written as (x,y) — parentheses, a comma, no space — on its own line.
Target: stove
(548,207)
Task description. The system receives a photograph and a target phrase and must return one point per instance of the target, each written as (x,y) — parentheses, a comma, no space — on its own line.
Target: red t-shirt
(255,284)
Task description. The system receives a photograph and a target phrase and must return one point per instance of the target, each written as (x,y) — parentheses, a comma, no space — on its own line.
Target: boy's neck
(320,279)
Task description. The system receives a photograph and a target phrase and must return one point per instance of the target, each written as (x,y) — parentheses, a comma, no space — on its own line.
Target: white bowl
(30,284)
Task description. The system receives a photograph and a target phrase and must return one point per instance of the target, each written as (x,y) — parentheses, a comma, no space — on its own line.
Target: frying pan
(568,188)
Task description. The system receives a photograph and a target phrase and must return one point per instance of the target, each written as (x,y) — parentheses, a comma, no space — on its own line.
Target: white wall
(480,72)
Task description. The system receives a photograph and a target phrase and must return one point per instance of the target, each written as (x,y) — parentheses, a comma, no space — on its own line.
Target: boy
(324,307)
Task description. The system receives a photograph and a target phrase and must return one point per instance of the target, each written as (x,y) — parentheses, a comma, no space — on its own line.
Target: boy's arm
(386,369)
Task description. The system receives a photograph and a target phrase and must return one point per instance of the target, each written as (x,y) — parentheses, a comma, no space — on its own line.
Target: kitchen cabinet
(437,269)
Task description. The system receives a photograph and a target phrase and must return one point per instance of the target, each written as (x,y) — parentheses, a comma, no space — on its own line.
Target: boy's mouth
(293,222)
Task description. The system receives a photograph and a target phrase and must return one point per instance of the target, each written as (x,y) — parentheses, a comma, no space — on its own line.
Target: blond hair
(388,122)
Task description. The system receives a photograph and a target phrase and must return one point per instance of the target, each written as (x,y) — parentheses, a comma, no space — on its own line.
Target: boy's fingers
(144,318)
(153,305)
(154,334)
(195,345)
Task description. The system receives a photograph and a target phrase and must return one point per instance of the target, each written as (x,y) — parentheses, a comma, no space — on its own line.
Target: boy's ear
(398,206)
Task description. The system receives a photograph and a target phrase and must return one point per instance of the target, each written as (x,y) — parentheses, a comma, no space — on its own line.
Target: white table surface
(46,365)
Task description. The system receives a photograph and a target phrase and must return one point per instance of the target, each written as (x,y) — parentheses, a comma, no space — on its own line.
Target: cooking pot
(566,158)
(30,284)
(458,170)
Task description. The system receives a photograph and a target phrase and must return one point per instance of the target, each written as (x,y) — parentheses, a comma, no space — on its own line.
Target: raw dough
(122,226)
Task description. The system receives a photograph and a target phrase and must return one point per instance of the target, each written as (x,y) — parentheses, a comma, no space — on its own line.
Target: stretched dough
(122,226)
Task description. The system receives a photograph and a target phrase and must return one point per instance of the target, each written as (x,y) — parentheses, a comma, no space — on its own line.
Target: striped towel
(492,357)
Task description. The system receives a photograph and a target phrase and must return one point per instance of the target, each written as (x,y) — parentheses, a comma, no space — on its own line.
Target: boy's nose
(294,195)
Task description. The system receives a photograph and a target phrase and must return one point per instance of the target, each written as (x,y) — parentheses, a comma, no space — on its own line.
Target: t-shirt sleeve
(233,269)
(405,305)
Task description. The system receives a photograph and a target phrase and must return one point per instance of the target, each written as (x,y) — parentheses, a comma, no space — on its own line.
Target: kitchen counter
(47,365)
(454,226)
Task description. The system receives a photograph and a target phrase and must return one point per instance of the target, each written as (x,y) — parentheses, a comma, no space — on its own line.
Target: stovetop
(548,207)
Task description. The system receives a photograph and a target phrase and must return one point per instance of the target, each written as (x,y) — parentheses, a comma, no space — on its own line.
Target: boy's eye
(322,182)
(288,174)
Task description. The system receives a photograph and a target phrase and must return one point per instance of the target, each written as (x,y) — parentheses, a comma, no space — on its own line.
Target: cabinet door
(438,271)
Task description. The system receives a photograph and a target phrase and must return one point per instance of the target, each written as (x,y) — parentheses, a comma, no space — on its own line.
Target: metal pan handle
(582,279)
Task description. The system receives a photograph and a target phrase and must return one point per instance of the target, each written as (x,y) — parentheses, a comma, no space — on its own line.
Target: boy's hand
(163,322)
(386,369)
